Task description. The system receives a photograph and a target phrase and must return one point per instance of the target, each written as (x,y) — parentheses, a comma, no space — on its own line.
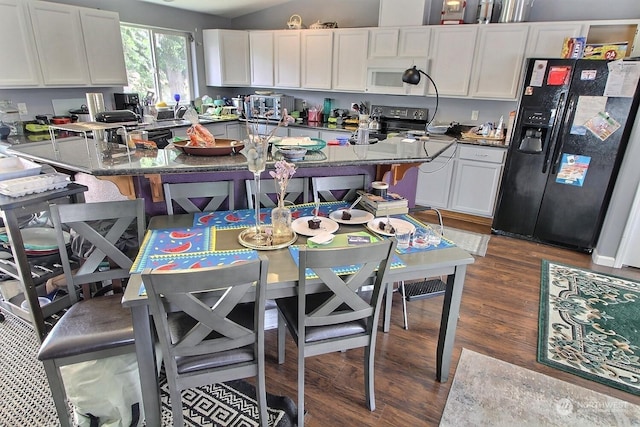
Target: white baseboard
(606,261)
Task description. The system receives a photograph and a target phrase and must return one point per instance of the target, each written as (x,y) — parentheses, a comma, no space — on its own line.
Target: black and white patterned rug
(26,399)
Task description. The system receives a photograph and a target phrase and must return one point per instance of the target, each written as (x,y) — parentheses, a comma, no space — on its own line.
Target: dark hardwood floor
(498,317)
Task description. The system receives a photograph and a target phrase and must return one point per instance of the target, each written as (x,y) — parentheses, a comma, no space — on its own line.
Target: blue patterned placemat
(194,260)
(444,243)
(175,242)
(294,250)
(243,218)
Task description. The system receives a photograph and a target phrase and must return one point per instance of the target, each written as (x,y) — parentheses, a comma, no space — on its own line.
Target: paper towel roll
(95,104)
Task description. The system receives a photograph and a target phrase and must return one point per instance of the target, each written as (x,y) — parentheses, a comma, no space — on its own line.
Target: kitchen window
(158,61)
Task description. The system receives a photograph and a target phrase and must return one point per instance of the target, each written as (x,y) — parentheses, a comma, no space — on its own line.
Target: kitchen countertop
(76,154)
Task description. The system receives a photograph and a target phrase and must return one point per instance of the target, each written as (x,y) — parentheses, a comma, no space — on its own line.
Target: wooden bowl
(223,147)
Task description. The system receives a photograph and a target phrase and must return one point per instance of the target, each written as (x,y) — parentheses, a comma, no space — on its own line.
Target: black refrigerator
(571,128)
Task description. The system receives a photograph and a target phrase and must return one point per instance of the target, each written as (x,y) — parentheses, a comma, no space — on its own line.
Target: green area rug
(589,325)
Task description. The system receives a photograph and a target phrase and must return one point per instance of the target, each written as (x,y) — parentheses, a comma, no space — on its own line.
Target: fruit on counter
(200,136)
(161,104)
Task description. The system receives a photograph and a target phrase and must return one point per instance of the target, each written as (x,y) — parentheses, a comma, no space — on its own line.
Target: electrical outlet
(474,114)
(22,108)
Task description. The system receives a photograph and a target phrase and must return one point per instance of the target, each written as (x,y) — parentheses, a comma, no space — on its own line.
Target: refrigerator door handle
(563,131)
(553,135)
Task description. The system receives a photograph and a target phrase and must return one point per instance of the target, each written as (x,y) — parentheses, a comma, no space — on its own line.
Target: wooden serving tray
(469,135)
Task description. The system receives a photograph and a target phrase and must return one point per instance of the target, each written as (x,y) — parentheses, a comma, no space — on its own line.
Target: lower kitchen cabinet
(467,184)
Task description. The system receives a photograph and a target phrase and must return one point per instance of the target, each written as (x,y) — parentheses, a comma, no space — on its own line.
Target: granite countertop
(80,155)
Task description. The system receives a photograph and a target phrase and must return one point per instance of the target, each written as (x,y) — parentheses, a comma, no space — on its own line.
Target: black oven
(400,119)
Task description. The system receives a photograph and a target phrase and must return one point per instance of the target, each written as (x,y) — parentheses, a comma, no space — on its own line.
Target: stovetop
(399,119)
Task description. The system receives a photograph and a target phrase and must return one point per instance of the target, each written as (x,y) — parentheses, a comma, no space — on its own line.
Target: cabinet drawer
(481,154)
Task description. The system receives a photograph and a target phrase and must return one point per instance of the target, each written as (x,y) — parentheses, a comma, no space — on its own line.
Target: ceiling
(225,8)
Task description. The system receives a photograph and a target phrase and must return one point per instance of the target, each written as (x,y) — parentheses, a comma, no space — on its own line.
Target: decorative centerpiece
(281,215)
(256,152)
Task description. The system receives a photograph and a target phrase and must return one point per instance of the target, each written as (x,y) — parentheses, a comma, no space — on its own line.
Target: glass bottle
(281,219)
(326,109)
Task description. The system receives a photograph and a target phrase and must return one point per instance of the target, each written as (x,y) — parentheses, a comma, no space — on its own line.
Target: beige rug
(489,392)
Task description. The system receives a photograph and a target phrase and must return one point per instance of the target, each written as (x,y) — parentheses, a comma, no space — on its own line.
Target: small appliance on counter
(128,101)
(262,105)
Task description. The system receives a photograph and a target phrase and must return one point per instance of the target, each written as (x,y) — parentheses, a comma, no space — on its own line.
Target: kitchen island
(141,173)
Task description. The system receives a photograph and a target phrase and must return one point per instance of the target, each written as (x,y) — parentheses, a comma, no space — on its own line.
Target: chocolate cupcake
(314,223)
(346,215)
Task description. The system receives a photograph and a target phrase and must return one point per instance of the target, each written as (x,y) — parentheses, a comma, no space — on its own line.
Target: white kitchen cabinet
(317,59)
(414,42)
(226,57)
(383,42)
(451,56)
(434,180)
(103,44)
(350,60)
(547,38)
(476,180)
(261,49)
(21,67)
(286,54)
(61,50)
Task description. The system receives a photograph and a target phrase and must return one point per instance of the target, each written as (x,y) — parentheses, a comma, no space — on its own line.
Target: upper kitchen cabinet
(317,59)
(498,61)
(286,53)
(261,45)
(451,58)
(398,42)
(226,57)
(103,44)
(19,55)
(547,38)
(350,59)
(59,40)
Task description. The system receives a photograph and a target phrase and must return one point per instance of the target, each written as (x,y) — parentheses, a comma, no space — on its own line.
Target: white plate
(395,223)
(301,226)
(357,216)
(39,238)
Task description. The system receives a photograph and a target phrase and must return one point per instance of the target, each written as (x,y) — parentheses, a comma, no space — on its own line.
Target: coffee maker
(128,101)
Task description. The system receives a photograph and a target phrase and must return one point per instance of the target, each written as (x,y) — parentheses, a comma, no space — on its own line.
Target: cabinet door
(414,42)
(103,45)
(286,58)
(498,61)
(19,56)
(475,187)
(350,60)
(434,181)
(451,58)
(547,38)
(297,132)
(261,46)
(226,57)
(383,43)
(317,59)
(58,35)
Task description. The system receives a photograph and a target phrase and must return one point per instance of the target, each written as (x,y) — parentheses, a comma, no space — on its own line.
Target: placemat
(175,242)
(294,250)
(194,260)
(243,218)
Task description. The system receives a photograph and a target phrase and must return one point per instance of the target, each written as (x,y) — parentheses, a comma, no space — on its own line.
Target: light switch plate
(22,109)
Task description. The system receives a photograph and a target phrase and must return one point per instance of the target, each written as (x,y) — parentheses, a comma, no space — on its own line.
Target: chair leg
(261,395)
(300,387)
(58,392)
(404,304)
(370,394)
(282,335)
(176,406)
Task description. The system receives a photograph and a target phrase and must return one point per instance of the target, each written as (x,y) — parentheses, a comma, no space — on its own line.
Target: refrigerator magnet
(559,75)
(537,74)
(588,75)
(602,125)
(573,169)
(528,90)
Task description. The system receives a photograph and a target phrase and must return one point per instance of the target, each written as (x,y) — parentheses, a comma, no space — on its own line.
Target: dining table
(211,238)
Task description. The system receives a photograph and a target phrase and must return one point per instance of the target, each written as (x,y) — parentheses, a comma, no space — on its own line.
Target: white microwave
(384,76)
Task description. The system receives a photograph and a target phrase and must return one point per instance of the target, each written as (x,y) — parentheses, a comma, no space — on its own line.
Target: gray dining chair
(297,189)
(343,317)
(326,188)
(94,328)
(185,194)
(207,333)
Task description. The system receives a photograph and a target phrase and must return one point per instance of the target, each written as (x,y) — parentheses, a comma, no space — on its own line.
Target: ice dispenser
(535,131)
